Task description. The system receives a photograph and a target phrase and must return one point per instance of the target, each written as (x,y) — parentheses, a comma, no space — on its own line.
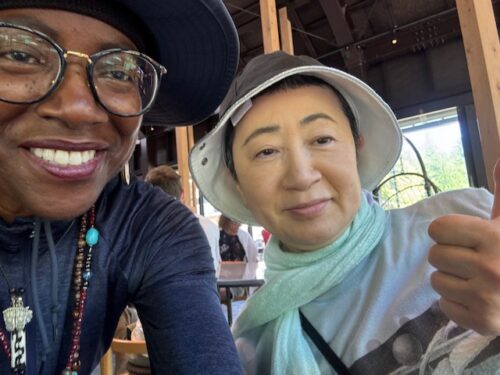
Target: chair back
(120,346)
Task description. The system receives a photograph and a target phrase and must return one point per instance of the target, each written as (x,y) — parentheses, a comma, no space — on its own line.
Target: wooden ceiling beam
(295,20)
(285,31)
(269,19)
(338,24)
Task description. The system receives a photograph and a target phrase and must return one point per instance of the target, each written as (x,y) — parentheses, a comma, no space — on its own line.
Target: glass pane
(432,160)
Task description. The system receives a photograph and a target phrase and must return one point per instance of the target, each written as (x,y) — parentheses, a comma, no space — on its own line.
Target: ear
(360,143)
(181,198)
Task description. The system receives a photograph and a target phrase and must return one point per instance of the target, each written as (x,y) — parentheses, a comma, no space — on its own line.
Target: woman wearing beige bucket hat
(77,243)
(349,287)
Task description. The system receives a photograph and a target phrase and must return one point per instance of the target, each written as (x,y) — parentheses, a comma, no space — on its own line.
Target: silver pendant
(16,317)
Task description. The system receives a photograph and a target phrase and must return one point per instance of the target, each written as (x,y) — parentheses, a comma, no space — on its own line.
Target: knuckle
(491,271)
(433,255)
(435,226)
(434,280)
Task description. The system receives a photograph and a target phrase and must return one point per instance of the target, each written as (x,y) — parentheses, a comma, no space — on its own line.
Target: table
(239,274)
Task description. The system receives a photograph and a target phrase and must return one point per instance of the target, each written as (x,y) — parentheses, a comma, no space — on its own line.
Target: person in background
(235,244)
(349,288)
(77,241)
(169,181)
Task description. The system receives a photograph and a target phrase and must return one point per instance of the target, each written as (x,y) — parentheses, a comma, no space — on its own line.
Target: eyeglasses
(32,66)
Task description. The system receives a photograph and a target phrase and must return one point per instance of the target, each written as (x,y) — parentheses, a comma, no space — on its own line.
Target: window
(432,160)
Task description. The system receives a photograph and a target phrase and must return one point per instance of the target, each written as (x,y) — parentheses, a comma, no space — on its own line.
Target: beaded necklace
(82,274)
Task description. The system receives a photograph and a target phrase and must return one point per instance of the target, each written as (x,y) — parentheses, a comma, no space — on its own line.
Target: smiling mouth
(62,157)
(310,209)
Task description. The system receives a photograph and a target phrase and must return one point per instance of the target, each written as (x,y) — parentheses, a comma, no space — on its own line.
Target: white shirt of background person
(212,232)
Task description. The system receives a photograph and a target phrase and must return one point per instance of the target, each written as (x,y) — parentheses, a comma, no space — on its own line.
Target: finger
(467,318)
(454,260)
(456,312)
(459,230)
(451,288)
(495,211)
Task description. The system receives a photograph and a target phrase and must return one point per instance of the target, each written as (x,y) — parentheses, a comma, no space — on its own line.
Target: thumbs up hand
(467,258)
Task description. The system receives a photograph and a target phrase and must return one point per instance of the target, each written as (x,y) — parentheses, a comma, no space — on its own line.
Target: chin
(62,209)
(64,213)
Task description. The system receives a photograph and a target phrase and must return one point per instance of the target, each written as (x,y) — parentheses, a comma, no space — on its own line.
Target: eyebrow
(316,116)
(263,130)
(35,24)
(32,23)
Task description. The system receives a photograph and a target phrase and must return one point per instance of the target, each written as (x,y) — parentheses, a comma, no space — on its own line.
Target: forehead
(291,106)
(71,30)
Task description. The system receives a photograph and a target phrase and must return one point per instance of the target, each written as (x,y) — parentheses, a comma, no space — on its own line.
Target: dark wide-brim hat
(376,122)
(195,40)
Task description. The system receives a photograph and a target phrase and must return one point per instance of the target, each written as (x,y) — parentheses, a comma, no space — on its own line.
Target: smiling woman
(77,79)
(348,287)
(311,148)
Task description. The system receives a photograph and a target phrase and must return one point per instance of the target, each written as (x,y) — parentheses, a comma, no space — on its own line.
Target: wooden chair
(120,346)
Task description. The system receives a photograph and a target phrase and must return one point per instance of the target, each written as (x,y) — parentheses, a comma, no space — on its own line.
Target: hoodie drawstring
(55,274)
(34,287)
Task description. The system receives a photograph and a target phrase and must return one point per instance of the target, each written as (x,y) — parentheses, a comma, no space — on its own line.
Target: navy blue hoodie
(153,253)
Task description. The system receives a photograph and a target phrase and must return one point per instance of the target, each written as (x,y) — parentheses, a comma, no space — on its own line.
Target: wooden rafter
(285,31)
(295,20)
(269,18)
(338,24)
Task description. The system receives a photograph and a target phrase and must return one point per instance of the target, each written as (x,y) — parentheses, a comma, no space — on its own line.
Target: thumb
(495,211)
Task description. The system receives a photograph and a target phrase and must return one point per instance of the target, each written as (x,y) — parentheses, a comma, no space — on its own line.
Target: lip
(68,172)
(309,209)
(65,145)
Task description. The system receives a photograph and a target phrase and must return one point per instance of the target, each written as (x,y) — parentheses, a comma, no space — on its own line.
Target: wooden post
(269,21)
(182,143)
(482,50)
(285,31)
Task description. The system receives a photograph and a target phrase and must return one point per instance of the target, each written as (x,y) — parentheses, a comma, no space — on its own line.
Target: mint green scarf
(295,279)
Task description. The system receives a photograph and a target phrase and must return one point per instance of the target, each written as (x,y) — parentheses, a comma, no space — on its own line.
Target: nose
(73,101)
(301,172)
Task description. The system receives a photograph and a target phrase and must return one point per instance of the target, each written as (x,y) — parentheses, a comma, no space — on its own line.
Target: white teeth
(85,156)
(75,158)
(48,154)
(38,152)
(63,157)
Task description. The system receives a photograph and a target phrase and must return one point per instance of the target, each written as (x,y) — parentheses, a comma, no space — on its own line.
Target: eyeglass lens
(125,83)
(28,65)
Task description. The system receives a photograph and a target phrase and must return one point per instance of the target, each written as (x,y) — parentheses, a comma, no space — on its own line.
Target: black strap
(323,347)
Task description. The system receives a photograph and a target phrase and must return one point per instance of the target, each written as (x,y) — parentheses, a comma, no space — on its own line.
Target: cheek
(259,195)
(127,130)
(251,190)
(9,114)
(127,127)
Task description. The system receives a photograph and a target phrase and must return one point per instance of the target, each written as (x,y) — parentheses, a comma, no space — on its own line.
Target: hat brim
(195,40)
(377,124)
(198,44)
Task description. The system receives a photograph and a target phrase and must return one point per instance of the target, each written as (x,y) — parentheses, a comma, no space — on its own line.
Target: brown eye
(324,140)
(265,153)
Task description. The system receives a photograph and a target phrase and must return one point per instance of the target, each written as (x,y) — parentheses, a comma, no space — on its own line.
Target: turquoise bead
(92,236)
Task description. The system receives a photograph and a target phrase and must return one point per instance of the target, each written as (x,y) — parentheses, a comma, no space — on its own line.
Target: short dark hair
(167,179)
(224,222)
(290,83)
